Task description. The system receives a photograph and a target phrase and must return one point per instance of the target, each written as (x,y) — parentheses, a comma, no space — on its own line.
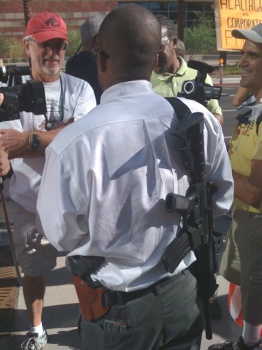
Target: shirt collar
(126,88)
(248,114)
(180,72)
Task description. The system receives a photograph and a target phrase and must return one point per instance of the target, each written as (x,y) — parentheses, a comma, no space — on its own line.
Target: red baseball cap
(45,26)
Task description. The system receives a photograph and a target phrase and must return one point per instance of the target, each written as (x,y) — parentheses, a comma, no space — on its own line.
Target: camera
(13,71)
(28,97)
(197,89)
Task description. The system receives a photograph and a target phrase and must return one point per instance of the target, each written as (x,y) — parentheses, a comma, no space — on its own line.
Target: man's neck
(45,78)
(258,96)
(175,67)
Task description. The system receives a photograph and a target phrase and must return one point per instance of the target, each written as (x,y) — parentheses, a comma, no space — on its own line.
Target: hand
(4,163)
(1,98)
(13,142)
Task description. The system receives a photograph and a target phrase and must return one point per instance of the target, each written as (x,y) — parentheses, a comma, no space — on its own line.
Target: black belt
(113,297)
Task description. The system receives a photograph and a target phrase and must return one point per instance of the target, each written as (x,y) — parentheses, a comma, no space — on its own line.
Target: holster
(90,299)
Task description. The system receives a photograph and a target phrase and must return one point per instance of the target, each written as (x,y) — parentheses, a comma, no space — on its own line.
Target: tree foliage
(3,46)
(75,41)
(201,37)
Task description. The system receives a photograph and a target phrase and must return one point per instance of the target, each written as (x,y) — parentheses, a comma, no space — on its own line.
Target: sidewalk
(61,312)
(232,80)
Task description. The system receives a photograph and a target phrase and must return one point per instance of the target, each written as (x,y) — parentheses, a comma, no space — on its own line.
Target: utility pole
(27,10)
(27,15)
(180,18)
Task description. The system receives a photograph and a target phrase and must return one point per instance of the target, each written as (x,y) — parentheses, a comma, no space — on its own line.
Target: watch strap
(34,142)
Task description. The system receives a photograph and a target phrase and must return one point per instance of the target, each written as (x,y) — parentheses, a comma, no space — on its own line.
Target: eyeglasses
(57,45)
(96,50)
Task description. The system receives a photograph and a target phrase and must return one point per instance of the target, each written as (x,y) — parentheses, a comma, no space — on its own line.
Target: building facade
(75,12)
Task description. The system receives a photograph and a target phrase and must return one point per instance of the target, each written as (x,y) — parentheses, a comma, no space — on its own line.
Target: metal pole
(27,15)
(10,234)
(180,18)
(221,69)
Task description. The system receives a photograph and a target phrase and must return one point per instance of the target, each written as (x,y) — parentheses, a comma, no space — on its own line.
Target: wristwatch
(35,142)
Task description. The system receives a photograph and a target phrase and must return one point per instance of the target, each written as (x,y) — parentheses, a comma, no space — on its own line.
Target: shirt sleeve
(258,152)
(68,226)
(213,105)
(217,163)
(86,101)
(218,166)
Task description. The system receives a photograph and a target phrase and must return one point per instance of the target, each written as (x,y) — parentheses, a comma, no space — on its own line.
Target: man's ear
(94,41)
(101,62)
(27,48)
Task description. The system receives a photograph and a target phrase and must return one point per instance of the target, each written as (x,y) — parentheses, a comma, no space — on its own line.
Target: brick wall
(74,12)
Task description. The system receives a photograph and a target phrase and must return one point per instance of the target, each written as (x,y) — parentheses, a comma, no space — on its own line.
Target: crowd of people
(105,155)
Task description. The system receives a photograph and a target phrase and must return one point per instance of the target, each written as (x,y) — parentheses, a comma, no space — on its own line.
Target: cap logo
(53,22)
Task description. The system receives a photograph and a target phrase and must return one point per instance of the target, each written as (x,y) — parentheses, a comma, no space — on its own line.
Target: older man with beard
(67,99)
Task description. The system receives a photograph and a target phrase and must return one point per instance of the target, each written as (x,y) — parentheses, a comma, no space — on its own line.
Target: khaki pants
(241,261)
(34,253)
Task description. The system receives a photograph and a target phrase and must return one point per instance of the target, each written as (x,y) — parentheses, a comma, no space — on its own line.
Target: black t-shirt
(83,66)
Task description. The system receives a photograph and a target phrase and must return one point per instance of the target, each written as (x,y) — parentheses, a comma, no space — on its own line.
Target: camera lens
(189,87)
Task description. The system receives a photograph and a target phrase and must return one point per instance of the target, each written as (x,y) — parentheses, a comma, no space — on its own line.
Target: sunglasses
(57,45)
(96,50)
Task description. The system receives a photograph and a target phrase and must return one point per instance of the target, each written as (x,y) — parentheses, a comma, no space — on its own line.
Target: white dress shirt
(106,178)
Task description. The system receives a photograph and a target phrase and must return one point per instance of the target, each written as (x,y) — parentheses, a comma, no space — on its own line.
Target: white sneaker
(33,342)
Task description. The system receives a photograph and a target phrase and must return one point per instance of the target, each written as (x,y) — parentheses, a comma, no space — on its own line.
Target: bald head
(130,34)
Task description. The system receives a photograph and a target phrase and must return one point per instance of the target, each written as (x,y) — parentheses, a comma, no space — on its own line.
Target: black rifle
(197,233)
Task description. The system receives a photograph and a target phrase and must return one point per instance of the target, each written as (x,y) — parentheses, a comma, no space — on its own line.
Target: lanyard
(53,123)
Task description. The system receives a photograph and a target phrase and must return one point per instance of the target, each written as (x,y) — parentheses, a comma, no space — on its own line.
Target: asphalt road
(229,111)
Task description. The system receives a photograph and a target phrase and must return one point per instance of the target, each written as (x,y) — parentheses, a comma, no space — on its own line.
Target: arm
(241,95)
(245,191)
(219,117)
(69,212)
(18,144)
(218,167)
(213,105)
(256,171)
(215,109)
(256,163)
(4,163)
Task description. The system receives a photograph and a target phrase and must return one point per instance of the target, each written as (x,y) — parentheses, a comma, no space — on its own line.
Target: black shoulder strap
(180,107)
(189,129)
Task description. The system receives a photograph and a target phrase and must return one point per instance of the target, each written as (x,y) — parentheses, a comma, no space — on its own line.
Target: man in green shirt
(171,70)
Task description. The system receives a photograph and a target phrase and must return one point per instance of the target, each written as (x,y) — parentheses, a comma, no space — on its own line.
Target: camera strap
(52,122)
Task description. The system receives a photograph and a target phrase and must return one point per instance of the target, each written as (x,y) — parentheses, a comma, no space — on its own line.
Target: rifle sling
(184,242)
